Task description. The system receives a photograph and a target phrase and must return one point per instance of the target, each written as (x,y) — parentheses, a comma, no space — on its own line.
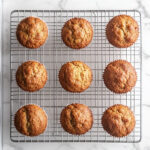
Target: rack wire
(52,98)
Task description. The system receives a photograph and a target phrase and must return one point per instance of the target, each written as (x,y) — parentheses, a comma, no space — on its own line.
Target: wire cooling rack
(52,98)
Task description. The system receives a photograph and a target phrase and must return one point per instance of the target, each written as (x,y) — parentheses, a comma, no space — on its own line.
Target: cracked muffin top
(30,120)
(118,120)
(77,33)
(76,119)
(32,32)
(122,31)
(120,76)
(31,76)
(75,76)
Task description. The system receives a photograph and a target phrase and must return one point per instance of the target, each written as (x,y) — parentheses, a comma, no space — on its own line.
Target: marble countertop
(141,5)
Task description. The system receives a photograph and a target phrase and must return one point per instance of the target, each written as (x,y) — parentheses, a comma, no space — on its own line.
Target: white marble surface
(142,5)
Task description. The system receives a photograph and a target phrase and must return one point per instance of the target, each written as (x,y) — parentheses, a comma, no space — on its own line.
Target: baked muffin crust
(77,33)
(76,119)
(120,76)
(122,31)
(32,32)
(30,120)
(31,76)
(75,76)
(118,120)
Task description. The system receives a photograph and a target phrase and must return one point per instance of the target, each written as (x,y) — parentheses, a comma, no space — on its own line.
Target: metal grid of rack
(52,98)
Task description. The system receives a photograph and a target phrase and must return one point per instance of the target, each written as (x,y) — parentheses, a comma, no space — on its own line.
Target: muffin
(118,120)
(75,76)
(30,120)
(77,33)
(32,32)
(120,76)
(76,119)
(122,31)
(31,76)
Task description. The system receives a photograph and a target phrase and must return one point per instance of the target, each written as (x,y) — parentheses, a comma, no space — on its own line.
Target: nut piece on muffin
(120,76)
(30,120)
(122,31)
(76,119)
(118,120)
(32,32)
(31,76)
(75,76)
(77,33)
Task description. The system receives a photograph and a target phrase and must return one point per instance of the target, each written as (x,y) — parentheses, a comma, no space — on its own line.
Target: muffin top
(77,33)
(120,76)
(30,120)
(76,119)
(118,120)
(75,76)
(122,31)
(31,76)
(32,32)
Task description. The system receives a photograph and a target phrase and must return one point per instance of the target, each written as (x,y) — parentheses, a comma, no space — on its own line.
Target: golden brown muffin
(120,76)
(30,120)
(75,76)
(118,120)
(122,31)
(32,32)
(76,119)
(31,76)
(77,33)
